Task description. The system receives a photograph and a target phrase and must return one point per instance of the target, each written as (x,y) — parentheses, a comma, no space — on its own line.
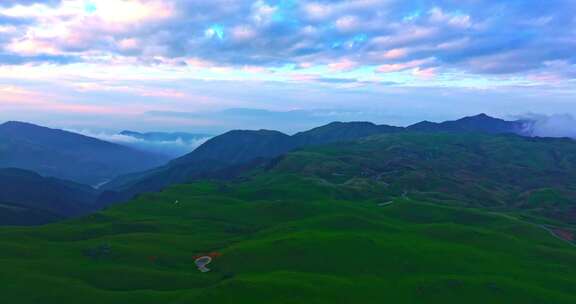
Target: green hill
(381,220)
(535,176)
(226,154)
(50,199)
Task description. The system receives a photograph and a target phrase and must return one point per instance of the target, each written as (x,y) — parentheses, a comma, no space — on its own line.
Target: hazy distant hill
(27,198)
(230,153)
(67,155)
(219,156)
(480,123)
(341,131)
(226,154)
(240,146)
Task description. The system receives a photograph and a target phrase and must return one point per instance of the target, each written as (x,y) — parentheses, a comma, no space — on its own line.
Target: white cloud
(556,125)
(173,148)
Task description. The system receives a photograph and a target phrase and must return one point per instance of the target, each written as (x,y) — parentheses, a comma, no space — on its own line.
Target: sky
(210,66)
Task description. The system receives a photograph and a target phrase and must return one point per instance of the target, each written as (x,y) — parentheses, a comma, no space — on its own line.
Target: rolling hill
(232,152)
(67,155)
(381,219)
(533,176)
(27,198)
(480,123)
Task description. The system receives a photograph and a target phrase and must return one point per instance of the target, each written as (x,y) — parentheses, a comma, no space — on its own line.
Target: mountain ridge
(234,152)
(405,217)
(239,147)
(68,155)
(476,123)
(51,199)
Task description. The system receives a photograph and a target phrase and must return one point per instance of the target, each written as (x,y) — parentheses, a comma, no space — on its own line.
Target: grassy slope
(320,236)
(286,240)
(502,173)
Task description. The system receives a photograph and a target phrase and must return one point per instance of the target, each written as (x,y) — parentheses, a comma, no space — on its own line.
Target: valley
(287,152)
(381,218)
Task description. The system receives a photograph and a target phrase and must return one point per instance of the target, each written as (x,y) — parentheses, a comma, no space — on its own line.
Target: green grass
(463,227)
(502,173)
(286,239)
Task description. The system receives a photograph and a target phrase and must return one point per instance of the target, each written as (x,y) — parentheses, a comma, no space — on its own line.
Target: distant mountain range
(481,123)
(70,156)
(26,198)
(463,211)
(403,217)
(227,154)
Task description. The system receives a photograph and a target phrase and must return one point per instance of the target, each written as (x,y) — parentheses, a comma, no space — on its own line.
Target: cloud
(472,36)
(395,54)
(424,73)
(556,125)
(175,146)
(14,21)
(15,97)
(125,58)
(342,65)
(13,59)
(9,3)
(395,67)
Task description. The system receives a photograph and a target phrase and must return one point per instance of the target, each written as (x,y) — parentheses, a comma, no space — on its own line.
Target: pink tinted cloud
(54,106)
(14,95)
(17,98)
(437,15)
(303,77)
(243,33)
(254,69)
(397,67)
(318,11)
(545,78)
(79,108)
(406,35)
(395,54)
(347,23)
(68,27)
(342,65)
(425,73)
(131,90)
(163,93)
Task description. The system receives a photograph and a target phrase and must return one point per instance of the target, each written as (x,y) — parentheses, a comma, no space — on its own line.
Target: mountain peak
(258,132)
(351,123)
(481,116)
(478,123)
(15,123)
(130,133)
